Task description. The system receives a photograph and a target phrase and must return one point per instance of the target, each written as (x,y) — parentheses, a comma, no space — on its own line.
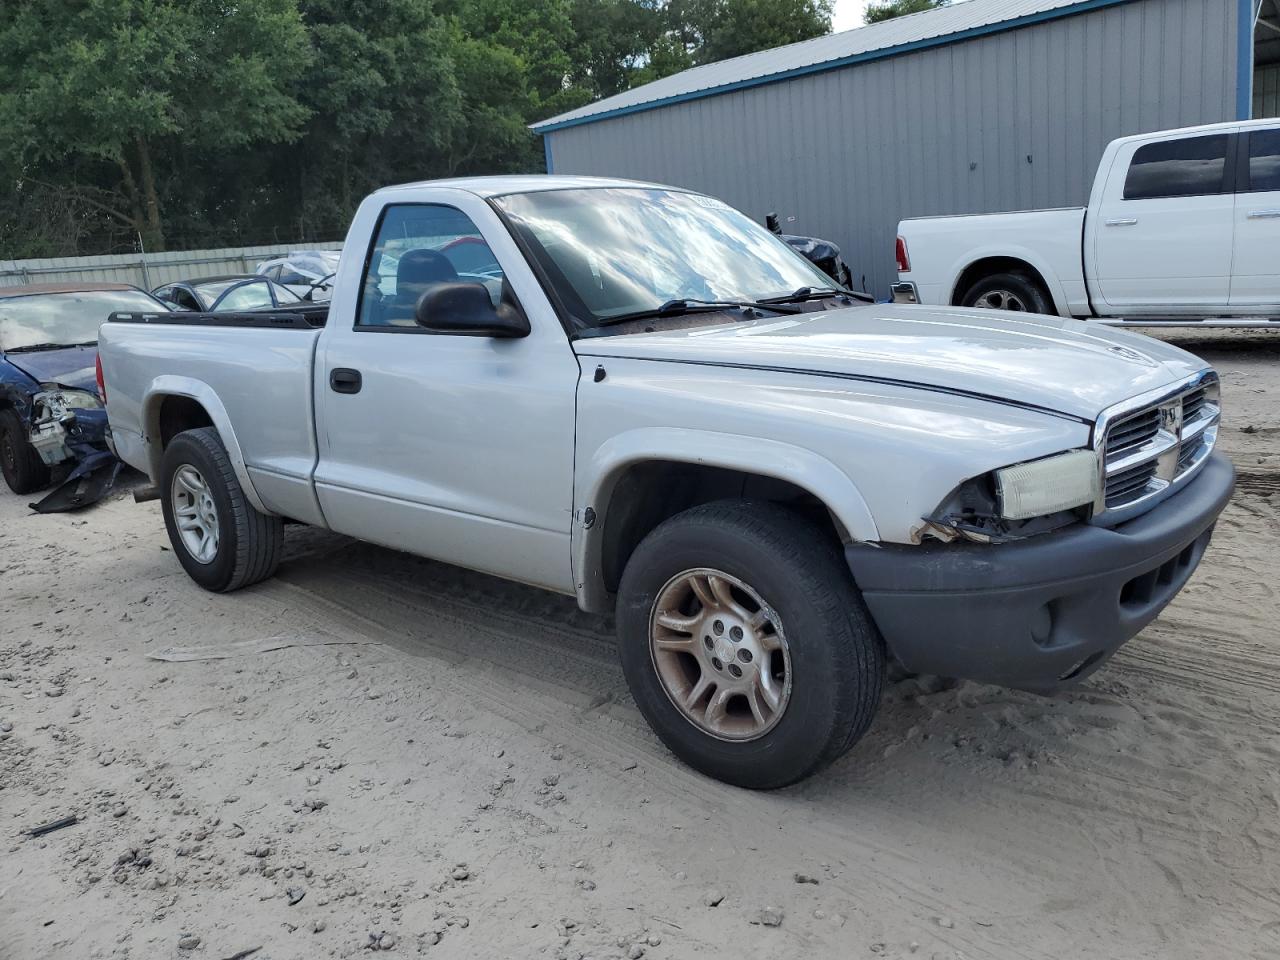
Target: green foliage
(718,29)
(207,122)
(889,9)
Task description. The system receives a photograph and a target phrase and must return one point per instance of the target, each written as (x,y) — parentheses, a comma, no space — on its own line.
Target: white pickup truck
(1182,229)
(644,400)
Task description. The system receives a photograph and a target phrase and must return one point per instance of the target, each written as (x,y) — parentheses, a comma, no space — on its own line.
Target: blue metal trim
(1030,19)
(1244,60)
(546,146)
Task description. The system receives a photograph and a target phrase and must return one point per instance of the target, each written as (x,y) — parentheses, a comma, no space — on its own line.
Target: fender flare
(1052,282)
(169,385)
(770,458)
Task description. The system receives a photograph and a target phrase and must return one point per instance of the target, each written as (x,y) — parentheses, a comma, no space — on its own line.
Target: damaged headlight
(67,398)
(1019,501)
(1041,487)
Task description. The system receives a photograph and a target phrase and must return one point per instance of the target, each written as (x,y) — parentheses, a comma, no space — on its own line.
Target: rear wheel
(746,645)
(1015,292)
(220,539)
(22,467)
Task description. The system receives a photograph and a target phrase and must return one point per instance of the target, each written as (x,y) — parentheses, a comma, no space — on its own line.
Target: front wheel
(746,645)
(21,465)
(220,539)
(1014,292)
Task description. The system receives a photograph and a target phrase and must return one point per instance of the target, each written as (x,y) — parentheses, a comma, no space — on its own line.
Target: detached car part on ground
(51,415)
(656,406)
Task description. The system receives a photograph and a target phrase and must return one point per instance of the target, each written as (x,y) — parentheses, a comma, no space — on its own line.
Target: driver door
(448,446)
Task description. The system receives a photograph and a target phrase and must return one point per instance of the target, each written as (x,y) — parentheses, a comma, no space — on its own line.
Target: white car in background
(1182,228)
(305,272)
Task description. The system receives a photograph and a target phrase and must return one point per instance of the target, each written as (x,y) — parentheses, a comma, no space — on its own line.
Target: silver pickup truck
(636,396)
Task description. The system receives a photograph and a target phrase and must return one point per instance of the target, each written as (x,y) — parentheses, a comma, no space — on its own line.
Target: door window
(416,247)
(1191,167)
(1264,161)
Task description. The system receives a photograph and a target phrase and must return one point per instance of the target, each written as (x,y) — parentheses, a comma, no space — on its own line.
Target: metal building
(982,106)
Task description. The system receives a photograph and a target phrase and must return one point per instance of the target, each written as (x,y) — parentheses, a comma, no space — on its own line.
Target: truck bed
(252,371)
(943,248)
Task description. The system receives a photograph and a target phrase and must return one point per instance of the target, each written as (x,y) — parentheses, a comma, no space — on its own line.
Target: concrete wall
(149,271)
(1001,122)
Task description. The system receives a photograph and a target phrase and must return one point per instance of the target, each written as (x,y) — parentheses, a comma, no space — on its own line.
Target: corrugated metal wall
(149,272)
(1003,122)
(1266,91)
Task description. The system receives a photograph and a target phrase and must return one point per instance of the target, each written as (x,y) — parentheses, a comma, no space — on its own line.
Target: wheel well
(178,414)
(989,266)
(651,492)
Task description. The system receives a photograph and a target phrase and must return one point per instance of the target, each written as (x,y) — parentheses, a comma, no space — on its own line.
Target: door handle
(1264,215)
(344,380)
(1122,222)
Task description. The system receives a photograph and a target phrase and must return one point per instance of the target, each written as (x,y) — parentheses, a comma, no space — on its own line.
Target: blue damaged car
(51,414)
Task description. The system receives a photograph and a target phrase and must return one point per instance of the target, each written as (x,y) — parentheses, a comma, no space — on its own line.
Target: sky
(847,14)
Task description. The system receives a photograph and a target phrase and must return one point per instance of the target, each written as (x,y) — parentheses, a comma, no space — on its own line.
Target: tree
(114,82)
(714,30)
(878,12)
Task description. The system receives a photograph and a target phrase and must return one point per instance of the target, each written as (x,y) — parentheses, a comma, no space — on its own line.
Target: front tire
(219,538)
(22,467)
(1013,291)
(746,645)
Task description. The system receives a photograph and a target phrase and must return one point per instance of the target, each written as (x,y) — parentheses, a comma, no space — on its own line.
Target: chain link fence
(148,270)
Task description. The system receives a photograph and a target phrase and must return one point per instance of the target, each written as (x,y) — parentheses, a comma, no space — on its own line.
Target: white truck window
(1190,167)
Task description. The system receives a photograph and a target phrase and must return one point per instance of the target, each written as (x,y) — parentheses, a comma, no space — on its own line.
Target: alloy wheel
(720,654)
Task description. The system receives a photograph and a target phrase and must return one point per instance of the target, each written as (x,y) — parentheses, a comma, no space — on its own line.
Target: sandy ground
(464,774)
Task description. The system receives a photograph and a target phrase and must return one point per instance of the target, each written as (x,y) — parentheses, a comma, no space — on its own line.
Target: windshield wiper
(816,293)
(679,308)
(31,347)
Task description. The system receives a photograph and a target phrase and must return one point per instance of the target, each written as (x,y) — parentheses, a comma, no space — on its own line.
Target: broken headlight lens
(70,399)
(1041,487)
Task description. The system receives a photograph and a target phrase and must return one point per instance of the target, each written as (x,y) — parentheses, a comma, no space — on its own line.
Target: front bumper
(1039,613)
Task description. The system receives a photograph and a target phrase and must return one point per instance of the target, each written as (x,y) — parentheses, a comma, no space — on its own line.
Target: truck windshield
(614,251)
(45,321)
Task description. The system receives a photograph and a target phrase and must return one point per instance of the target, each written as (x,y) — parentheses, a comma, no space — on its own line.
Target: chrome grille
(1153,444)
(1132,432)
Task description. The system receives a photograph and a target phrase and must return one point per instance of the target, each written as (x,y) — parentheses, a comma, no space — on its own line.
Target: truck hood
(1066,366)
(73,367)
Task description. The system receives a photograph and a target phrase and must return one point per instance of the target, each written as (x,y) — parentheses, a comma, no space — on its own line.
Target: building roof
(961,21)
(30,289)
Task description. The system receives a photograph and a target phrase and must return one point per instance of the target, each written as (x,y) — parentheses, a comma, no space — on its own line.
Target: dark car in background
(51,414)
(234,292)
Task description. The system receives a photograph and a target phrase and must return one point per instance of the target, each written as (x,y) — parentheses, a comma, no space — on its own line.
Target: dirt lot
(458,770)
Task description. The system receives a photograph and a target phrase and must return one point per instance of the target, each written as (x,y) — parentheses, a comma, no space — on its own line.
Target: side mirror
(465,309)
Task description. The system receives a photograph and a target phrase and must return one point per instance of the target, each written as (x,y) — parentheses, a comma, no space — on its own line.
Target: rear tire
(788,603)
(22,467)
(1013,291)
(220,539)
